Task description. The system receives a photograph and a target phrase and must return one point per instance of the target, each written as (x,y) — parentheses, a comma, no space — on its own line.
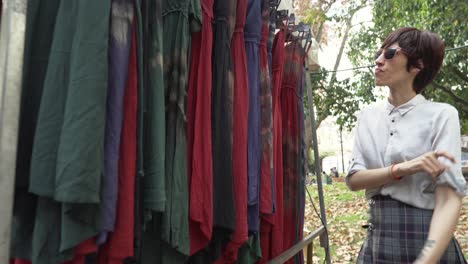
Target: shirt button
(391,134)
(393,120)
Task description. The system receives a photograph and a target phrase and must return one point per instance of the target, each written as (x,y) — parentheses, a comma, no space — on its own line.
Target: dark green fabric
(151,244)
(40,24)
(179,17)
(46,235)
(138,195)
(214,250)
(67,152)
(251,251)
(22,226)
(155,130)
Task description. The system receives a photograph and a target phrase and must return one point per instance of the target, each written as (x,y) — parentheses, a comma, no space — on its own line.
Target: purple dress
(119,49)
(252,34)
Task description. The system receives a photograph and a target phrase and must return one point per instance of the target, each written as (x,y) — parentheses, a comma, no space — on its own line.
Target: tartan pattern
(397,233)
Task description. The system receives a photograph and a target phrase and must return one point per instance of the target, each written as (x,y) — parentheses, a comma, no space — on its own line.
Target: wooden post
(310,249)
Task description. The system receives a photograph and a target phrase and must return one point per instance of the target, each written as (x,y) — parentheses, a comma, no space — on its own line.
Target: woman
(407,158)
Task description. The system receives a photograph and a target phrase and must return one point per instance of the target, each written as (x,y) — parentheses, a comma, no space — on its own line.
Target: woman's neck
(401,95)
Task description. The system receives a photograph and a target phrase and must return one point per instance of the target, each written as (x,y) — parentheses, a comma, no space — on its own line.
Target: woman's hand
(427,162)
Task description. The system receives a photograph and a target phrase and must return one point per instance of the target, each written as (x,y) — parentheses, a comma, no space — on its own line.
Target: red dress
(266,170)
(239,134)
(292,77)
(120,242)
(199,156)
(272,225)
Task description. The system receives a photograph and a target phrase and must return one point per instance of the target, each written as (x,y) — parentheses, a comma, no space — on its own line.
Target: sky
(327,54)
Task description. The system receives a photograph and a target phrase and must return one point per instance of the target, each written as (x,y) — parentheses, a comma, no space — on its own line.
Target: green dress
(180,17)
(40,24)
(166,236)
(154,122)
(67,154)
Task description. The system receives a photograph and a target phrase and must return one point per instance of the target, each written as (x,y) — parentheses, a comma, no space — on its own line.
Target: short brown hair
(417,44)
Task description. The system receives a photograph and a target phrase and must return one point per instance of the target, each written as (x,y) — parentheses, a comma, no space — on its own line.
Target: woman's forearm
(366,179)
(443,223)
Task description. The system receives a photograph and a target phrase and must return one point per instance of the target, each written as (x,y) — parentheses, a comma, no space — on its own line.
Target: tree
(332,97)
(342,99)
(447,18)
(329,98)
(314,13)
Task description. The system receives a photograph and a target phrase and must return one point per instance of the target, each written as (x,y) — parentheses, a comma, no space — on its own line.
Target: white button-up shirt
(386,135)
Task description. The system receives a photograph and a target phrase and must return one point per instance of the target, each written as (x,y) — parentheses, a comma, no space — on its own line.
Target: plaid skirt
(397,232)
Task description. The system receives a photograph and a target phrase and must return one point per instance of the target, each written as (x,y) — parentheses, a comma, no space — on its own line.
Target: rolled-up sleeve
(357,160)
(447,138)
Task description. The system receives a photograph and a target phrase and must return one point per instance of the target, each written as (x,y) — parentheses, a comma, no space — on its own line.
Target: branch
(459,74)
(452,94)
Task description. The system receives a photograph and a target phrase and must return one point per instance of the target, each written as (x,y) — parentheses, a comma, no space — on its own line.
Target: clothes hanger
(274,4)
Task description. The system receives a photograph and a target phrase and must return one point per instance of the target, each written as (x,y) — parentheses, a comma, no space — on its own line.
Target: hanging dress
(239,133)
(119,49)
(252,34)
(120,242)
(39,37)
(154,134)
(199,161)
(67,156)
(272,225)
(292,71)
(179,18)
(266,169)
(221,115)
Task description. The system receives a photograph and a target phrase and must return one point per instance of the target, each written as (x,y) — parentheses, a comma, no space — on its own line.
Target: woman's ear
(418,67)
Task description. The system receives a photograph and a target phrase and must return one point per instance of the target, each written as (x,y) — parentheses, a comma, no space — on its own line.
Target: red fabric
(271,229)
(265,239)
(83,249)
(266,187)
(265,199)
(239,135)
(292,72)
(199,156)
(119,244)
(19,261)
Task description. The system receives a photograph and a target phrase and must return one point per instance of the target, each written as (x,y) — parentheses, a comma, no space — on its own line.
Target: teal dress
(67,144)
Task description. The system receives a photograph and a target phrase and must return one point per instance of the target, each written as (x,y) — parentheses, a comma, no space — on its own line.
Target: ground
(346,213)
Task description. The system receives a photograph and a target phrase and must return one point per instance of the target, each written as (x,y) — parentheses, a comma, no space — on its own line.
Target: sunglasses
(388,53)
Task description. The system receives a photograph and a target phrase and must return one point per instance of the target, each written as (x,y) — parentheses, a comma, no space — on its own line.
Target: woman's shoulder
(440,109)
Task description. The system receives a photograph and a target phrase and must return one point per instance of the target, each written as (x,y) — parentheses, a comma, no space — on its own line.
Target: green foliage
(340,98)
(447,18)
(344,98)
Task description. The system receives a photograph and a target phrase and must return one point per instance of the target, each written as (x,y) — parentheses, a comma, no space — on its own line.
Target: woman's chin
(378,83)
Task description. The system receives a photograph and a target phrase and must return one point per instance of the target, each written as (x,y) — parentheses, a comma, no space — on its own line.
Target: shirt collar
(406,107)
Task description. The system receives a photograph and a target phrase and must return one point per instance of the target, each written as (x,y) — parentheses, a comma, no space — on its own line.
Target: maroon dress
(199,160)
(272,225)
(292,71)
